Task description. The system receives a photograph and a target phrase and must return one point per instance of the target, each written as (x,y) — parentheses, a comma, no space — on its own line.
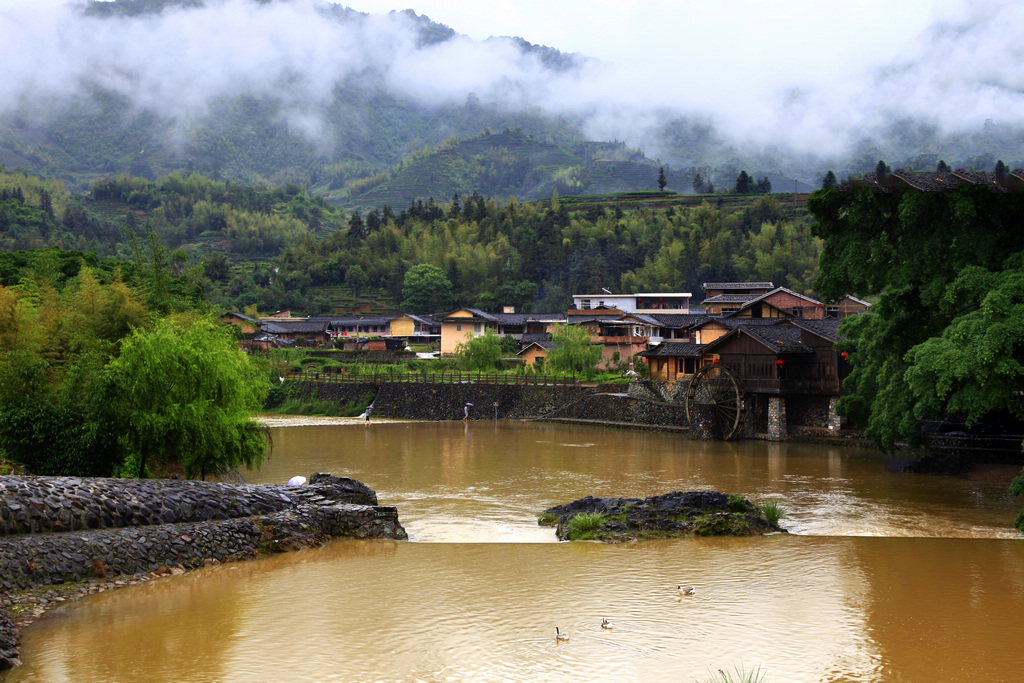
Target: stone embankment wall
(445,401)
(63,529)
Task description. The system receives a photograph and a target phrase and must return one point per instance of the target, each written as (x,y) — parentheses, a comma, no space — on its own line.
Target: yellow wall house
(536,351)
(403,326)
(458,324)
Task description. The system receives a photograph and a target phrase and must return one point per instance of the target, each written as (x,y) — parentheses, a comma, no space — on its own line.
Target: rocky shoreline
(670,515)
(69,536)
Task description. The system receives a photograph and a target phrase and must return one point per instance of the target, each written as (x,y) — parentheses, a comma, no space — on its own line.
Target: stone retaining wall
(445,401)
(57,530)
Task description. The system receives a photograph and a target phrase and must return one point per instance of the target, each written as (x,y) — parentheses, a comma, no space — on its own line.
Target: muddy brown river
(884,576)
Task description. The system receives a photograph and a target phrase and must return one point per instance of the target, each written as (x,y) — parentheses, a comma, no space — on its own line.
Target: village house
(464,323)
(534,352)
(656,302)
(311,333)
(726,297)
(248,326)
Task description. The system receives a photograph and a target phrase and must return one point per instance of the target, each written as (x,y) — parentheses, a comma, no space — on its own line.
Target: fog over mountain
(952,86)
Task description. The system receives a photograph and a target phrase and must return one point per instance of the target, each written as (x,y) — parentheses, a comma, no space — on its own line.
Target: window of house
(458,328)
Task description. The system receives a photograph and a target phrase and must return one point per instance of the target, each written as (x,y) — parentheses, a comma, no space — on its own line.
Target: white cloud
(803,72)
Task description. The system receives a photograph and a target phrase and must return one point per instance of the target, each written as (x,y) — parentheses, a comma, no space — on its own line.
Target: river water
(884,576)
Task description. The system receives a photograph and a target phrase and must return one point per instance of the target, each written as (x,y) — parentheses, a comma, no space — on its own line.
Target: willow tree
(574,350)
(189,395)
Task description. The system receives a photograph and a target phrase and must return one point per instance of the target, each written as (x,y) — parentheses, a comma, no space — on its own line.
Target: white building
(656,302)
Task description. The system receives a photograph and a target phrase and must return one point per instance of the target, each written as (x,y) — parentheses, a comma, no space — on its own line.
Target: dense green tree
(216,266)
(425,289)
(946,333)
(355,278)
(829,180)
(662,180)
(188,395)
(574,350)
(743,181)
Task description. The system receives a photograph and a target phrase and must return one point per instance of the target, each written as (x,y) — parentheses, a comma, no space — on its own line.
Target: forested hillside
(281,248)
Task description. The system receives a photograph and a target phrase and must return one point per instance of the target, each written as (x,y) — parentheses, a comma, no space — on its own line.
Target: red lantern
(780,362)
(714,361)
(843,354)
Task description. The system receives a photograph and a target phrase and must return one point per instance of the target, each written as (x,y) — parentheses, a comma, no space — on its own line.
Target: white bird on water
(607,624)
(561,637)
(687,591)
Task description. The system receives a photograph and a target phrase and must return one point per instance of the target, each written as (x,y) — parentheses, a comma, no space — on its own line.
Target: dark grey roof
(679,320)
(243,317)
(477,315)
(732,322)
(645,318)
(531,337)
(731,298)
(826,329)
(738,285)
(576,319)
(782,338)
(674,350)
(546,344)
(347,320)
(296,327)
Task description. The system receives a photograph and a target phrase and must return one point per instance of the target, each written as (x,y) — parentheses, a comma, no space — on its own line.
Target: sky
(804,73)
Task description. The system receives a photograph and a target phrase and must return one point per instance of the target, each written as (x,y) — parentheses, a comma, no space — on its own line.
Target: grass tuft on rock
(585,525)
(773,511)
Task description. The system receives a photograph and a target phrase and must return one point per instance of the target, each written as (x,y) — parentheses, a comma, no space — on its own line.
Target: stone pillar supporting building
(835,423)
(777,418)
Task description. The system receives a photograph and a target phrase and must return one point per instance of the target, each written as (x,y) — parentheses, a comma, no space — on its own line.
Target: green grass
(547,519)
(583,525)
(773,511)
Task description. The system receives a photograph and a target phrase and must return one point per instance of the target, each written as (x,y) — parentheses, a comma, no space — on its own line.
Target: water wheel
(714,403)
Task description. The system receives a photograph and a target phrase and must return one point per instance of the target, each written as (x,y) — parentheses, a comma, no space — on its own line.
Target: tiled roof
(242,317)
(546,344)
(297,327)
(733,323)
(674,350)
(826,329)
(679,320)
(477,314)
(523,318)
(738,285)
(731,298)
(899,179)
(782,338)
(531,337)
(361,320)
(645,318)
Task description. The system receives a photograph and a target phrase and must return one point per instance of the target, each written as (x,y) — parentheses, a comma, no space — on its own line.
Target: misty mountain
(359,107)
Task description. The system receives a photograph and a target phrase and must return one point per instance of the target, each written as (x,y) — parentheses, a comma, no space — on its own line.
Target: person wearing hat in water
(465,412)
(367,413)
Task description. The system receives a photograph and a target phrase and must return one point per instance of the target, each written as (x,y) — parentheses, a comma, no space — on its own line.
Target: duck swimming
(561,637)
(606,624)
(687,591)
